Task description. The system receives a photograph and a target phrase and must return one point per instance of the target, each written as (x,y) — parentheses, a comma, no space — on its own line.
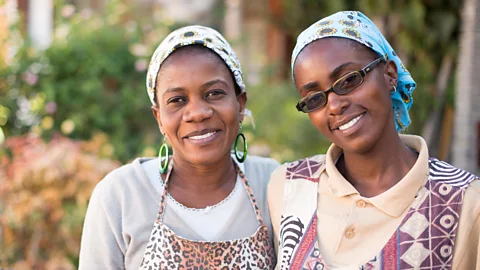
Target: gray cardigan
(124,206)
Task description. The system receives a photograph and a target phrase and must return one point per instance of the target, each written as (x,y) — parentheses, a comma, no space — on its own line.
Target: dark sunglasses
(346,84)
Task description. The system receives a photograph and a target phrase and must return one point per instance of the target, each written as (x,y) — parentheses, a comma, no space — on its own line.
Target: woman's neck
(199,186)
(379,169)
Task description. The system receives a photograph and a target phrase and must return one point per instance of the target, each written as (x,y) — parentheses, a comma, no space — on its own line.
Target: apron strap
(163,198)
(243,178)
(249,191)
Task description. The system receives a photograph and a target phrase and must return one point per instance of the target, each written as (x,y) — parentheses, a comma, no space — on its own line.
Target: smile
(203,136)
(350,123)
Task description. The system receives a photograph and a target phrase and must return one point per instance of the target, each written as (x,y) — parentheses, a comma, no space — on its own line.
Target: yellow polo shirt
(353,229)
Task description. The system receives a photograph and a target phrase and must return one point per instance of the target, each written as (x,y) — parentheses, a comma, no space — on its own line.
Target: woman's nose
(197,110)
(336,104)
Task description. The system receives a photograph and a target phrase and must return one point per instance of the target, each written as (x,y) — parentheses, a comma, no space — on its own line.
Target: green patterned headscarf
(193,35)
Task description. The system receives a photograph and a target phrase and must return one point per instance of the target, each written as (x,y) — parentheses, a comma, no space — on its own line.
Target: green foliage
(301,14)
(288,133)
(90,80)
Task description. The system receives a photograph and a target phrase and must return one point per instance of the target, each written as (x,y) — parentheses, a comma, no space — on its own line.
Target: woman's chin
(358,145)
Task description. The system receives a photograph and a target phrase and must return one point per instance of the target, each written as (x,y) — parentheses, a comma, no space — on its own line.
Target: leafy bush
(91,79)
(47,191)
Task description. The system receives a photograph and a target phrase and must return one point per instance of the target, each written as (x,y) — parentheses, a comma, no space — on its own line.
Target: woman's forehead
(191,68)
(188,58)
(325,60)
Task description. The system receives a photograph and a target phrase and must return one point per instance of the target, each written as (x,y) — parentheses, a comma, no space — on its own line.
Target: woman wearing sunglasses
(376,199)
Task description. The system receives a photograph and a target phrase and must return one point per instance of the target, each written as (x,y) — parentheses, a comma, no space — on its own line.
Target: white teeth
(204,136)
(350,123)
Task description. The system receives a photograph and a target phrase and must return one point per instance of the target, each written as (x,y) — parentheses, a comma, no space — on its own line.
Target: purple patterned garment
(424,240)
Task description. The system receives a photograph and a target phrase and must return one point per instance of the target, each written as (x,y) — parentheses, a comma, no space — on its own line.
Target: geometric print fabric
(424,240)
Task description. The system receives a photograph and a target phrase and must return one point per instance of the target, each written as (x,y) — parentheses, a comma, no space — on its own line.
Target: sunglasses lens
(314,101)
(348,83)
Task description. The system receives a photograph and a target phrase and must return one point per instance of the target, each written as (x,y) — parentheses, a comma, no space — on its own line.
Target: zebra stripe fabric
(440,170)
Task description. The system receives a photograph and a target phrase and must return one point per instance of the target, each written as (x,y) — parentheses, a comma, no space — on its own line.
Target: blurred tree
(289,134)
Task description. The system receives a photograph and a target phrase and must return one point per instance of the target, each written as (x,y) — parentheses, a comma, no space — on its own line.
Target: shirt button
(361,204)
(350,233)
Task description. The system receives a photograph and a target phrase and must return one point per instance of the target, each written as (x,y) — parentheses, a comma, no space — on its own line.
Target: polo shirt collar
(395,200)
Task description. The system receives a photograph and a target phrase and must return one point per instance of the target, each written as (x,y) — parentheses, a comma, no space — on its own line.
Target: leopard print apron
(166,250)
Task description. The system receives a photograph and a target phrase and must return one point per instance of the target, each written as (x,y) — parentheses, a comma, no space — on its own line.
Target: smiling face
(198,109)
(356,121)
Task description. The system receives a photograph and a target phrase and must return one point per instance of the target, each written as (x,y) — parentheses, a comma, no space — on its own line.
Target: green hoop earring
(241,158)
(163,150)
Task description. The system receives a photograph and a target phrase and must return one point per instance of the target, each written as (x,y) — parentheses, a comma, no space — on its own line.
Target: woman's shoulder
(316,159)
(259,161)
(300,163)
(124,173)
(270,162)
(279,175)
(444,172)
(258,170)
(125,179)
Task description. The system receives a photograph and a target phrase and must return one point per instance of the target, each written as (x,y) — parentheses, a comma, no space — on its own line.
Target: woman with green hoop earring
(243,156)
(202,207)
(163,152)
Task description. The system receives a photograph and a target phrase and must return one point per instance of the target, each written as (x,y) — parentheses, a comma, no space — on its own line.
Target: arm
(467,250)
(101,238)
(275,201)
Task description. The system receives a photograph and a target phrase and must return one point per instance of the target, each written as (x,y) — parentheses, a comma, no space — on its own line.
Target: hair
(195,48)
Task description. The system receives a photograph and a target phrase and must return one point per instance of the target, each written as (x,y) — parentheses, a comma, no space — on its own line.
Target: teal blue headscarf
(356,26)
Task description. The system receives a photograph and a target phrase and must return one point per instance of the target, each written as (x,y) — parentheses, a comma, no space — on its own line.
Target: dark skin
(198,109)
(374,157)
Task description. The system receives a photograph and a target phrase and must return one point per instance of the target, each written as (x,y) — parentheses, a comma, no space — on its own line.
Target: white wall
(40,23)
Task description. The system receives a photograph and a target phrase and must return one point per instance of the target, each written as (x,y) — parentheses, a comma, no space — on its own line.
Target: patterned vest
(424,239)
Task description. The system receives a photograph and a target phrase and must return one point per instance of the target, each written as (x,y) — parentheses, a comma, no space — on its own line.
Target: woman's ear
(157,115)
(242,101)
(391,73)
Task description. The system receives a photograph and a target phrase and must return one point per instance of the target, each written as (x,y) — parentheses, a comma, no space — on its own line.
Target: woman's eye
(350,81)
(175,100)
(215,94)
